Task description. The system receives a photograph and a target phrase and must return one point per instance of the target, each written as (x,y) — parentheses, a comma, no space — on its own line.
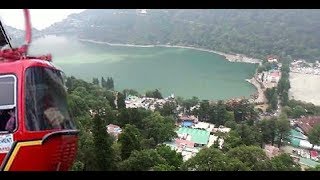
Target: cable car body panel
(41,135)
(51,149)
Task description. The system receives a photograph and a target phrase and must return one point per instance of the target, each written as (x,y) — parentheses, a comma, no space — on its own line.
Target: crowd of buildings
(146,102)
(193,135)
(303,150)
(301,66)
(270,78)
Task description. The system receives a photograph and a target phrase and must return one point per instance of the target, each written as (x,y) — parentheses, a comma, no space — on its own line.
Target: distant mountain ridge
(258,33)
(17,36)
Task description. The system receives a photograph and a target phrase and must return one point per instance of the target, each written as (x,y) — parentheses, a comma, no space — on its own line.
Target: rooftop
(296,134)
(197,136)
(271,151)
(308,162)
(307,123)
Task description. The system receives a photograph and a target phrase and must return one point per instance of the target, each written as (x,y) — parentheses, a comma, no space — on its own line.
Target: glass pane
(7,89)
(46,103)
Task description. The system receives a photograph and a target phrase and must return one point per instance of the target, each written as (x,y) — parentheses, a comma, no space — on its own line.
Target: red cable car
(36,130)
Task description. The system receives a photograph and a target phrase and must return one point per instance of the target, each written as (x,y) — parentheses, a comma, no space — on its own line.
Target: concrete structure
(146,102)
(188,118)
(271,151)
(271,60)
(221,129)
(204,126)
(213,139)
(114,130)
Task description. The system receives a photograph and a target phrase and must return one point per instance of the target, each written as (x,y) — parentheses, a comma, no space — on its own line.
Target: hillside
(17,36)
(256,33)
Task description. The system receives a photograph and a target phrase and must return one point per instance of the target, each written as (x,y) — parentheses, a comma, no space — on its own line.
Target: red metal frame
(20,53)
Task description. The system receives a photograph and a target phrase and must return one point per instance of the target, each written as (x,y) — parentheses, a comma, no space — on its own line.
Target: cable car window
(8,85)
(46,100)
(7,91)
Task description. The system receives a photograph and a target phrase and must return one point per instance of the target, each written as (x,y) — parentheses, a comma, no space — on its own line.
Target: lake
(184,72)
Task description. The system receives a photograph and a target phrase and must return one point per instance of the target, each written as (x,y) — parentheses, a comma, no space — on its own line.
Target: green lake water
(184,72)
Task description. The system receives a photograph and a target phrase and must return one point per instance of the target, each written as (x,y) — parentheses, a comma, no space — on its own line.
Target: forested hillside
(257,33)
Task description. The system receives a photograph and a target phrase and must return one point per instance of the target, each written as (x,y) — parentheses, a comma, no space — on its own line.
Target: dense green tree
(121,101)
(154,94)
(287,110)
(95,81)
(133,116)
(272,97)
(86,157)
(77,105)
(193,101)
(179,100)
(116,147)
(109,85)
(268,130)
(103,82)
(130,140)
(212,159)
(252,156)
(222,113)
(131,92)
(148,143)
(303,108)
(163,167)
(110,97)
(249,135)
(283,129)
(229,116)
(230,124)
(70,83)
(298,111)
(173,158)
(284,83)
(142,161)
(168,109)
(314,135)
(232,140)
(216,144)
(244,111)
(187,104)
(203,111)
(77,166)
(160,128)
(284,162)
(102,145)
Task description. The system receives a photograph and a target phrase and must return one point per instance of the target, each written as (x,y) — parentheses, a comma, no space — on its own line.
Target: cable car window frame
(15,99)
(3,107)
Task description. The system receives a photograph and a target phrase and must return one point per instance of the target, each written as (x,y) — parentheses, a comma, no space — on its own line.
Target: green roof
(197,136)
(297,134)
(295,142)
(308,162)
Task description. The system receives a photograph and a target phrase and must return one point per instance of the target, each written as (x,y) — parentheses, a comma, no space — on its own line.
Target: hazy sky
(40,18)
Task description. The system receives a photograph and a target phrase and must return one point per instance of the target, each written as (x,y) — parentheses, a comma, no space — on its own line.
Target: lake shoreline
(230,57)
(260,97)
